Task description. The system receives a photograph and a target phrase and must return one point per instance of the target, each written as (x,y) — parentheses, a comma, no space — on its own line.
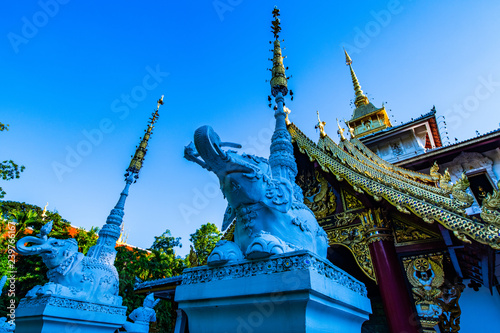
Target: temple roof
(408,191)
(393,129)
(364,110)
(486,141)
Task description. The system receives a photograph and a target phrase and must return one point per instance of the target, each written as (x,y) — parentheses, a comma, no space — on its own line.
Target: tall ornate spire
(138,158)
(281,159)
(104,250)
(361,99)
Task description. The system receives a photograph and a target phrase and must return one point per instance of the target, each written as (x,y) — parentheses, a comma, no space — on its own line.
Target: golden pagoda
(366,117)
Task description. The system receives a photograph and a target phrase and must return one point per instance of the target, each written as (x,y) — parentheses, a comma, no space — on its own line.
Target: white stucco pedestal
(50,314)
(294,292)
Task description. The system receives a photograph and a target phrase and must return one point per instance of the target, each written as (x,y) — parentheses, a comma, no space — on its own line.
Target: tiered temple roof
(406,190)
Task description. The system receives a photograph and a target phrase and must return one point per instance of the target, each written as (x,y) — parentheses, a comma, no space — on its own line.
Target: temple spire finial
(361,99)
(278,80)
(138,158)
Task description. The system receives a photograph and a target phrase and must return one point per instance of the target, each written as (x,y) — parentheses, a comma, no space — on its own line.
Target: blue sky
(81,78)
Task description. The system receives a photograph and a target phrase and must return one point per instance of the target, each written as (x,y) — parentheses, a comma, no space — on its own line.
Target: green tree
(86,239)
(204,240)
(158,262)
(166,243)
(8,169)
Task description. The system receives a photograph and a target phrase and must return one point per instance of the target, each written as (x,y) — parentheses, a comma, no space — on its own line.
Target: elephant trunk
(31,250)
(208,145)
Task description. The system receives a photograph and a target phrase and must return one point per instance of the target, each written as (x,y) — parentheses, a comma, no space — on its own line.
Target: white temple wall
(494,155)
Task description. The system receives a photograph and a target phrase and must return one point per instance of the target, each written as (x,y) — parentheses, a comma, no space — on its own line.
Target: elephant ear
(229,216)
(279,194)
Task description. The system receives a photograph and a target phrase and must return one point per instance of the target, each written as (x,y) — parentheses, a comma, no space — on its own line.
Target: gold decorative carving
(428,206)
(490,208)
(444,182)
(343,219)
(457,190)
(376,226)
(434,172)
(449,320)
(321,126)
(318,194)
(426,275)
(350,201)
(409,233)
(353,238)
(459,193)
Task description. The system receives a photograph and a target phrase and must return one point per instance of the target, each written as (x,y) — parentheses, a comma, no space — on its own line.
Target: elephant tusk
(230,144)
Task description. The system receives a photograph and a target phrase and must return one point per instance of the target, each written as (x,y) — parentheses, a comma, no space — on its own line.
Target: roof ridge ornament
(321,126)
(351,130)
(340,131)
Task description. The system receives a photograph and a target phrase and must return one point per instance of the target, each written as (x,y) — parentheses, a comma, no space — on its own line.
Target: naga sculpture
(457,190)
(444,182)
(269,218)
(142,316)
(71,274)
(490,208)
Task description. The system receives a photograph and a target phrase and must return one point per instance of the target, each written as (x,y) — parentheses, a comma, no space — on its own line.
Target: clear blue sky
(67,71)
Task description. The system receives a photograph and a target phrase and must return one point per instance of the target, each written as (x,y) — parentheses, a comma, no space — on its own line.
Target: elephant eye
(235,187)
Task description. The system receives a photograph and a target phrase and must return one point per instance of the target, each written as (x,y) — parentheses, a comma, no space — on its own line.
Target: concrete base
(293,292)
(50,314)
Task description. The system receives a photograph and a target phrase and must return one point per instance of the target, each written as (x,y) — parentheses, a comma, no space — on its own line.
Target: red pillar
(398,307)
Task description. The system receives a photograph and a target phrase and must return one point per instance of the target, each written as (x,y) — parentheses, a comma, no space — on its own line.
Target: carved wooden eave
(406,190)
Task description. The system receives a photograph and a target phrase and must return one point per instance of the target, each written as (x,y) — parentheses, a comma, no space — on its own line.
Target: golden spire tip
(348,59)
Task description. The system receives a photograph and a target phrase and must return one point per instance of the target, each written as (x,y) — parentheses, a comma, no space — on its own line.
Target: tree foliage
(157,262)
(86,239)
(204,240)
(8,169)
(133,264)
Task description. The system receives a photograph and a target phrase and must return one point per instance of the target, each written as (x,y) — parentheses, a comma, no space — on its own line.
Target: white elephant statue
(269,218)
(71,274)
